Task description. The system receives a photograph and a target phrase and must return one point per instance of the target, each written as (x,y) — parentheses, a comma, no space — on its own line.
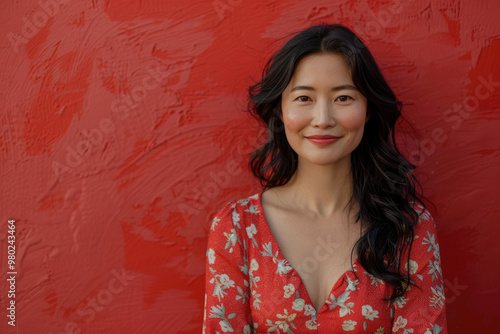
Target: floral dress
(251,288)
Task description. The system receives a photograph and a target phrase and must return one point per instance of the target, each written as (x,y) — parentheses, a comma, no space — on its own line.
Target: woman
(340,240)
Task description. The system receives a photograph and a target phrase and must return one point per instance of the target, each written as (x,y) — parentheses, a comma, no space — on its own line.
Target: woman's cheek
(294,119)
(353,120)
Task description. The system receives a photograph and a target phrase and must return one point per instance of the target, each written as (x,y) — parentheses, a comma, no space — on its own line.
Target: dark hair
(383,184)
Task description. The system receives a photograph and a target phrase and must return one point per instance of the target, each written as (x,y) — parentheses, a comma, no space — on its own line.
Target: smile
(322,141)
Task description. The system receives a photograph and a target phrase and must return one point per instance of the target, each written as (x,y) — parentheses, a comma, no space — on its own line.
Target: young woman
(340,239)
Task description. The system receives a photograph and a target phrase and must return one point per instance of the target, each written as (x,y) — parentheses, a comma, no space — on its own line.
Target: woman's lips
(323,141)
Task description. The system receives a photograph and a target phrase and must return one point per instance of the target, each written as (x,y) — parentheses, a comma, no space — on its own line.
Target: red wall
(122,134)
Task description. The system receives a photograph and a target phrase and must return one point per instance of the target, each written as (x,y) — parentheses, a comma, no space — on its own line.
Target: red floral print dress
(251,288)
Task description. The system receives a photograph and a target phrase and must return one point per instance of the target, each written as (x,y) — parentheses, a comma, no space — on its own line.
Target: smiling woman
(339,239)
(321,101)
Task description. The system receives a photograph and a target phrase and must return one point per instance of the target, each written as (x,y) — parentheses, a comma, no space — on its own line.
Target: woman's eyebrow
(334,89)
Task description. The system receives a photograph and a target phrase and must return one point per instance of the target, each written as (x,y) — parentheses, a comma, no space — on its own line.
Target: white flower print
(436,329)
(251,231)
(309,309)
(214,223)
(231,239)
(286,316)
(380,330)
(242,295)
(431,241)
(284,324)
(348,325)
(283,267)
(254,280)
(423,215)
(247,329)
(435,269)
(244,268)
(375,280)
(438,297)
(254,265)
(399,301)
(211,256)
(352,284)
(256,299)
(236,218)
(225,326)
(298,304)
(289,290)
(399,323)
(268,250)
(222,282)
(368,312)
(244,201)
(253,209)
(220,312)
(411,266)
(340,301)
(311,324)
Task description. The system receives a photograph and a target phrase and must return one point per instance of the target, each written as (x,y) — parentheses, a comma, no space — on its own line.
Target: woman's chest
(279,299)
(320,253)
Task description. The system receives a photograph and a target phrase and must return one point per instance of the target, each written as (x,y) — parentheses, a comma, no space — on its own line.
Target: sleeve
(422,310)
(227,293)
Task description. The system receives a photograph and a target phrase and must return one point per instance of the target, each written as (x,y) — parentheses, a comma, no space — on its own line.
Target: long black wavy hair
(383,185)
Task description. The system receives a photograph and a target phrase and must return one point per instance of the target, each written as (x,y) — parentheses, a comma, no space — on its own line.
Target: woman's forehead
(321,69)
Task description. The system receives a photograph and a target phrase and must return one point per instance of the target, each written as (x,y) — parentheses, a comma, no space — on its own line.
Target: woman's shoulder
(425,219)
(239,211)
(247,204)
(425,233)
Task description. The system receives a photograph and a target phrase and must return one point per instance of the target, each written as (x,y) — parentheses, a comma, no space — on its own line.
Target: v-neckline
(293,271)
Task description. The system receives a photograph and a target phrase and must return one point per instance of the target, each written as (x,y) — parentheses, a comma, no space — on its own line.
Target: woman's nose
(323,115)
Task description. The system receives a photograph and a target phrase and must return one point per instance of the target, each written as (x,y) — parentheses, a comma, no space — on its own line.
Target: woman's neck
(321,191)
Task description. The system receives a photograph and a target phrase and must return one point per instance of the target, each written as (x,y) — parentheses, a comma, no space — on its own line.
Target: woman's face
(321,99)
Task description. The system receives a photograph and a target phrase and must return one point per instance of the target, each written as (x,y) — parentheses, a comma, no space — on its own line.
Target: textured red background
(122,134)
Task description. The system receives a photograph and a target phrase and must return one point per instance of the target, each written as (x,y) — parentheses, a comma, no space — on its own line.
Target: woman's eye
(344,98)
(302,98)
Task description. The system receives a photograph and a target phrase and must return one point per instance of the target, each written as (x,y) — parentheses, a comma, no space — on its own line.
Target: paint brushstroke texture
(122,133)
